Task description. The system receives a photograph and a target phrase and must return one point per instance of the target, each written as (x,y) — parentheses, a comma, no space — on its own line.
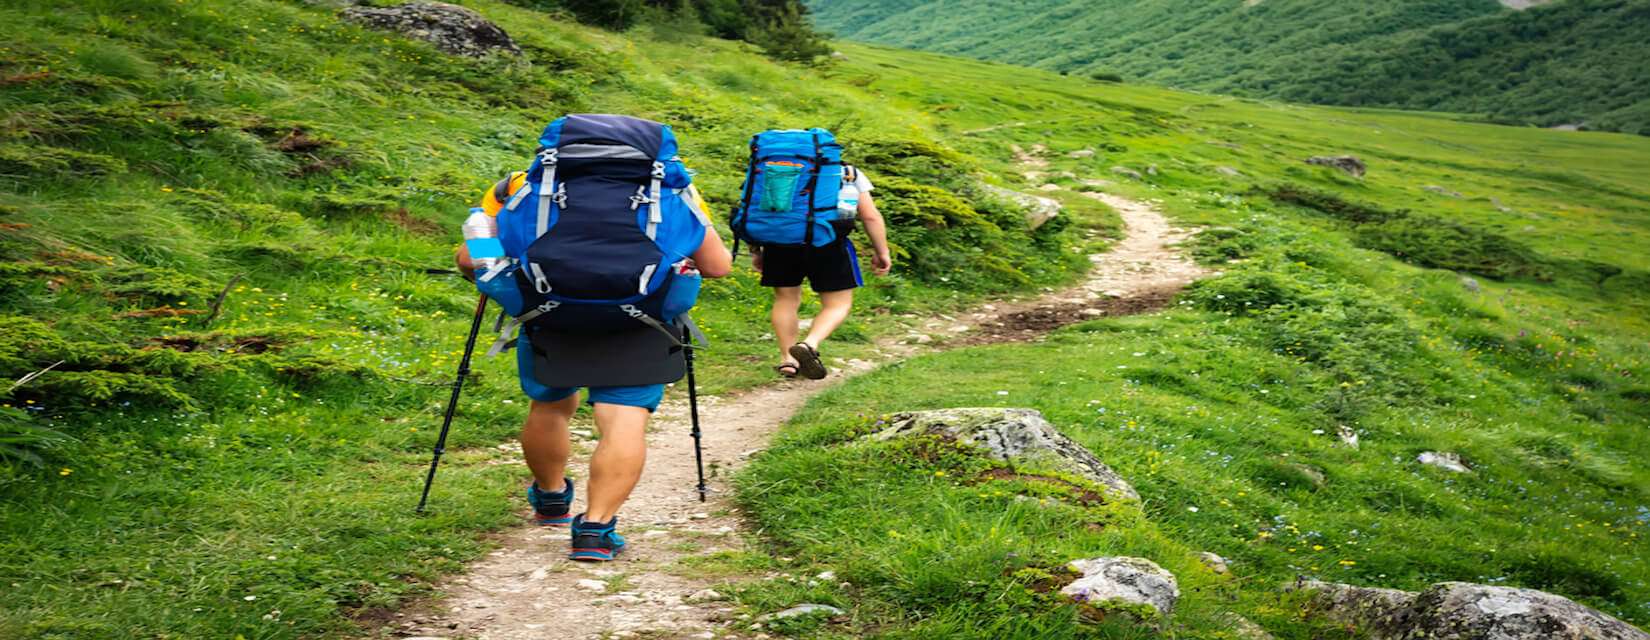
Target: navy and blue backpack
(596,237)
(790,189)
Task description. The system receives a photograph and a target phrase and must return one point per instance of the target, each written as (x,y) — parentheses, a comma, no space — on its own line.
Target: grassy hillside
(1564,63)
(1339,302)
(179,472)
(253,473)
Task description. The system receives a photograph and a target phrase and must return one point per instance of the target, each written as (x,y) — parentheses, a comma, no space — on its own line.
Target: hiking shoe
(551,509)
(595,542)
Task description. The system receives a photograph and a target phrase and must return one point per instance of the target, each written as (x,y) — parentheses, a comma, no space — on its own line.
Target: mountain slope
(1566,62)
(253,474)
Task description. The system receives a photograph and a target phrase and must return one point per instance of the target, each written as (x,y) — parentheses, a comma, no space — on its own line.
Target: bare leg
(786,302)
(834,308)
(545,441)
(617,464)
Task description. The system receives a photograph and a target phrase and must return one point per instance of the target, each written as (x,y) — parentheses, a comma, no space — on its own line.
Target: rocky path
(528,589)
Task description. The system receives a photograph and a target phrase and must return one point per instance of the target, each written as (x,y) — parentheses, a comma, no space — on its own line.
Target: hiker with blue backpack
(798,206)
(597,257)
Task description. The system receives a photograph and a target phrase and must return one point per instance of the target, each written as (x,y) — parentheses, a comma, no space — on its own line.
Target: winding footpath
(528,589)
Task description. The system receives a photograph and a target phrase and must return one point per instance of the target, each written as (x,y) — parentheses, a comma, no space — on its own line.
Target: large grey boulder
(1465,611)
(1020,436)
(1131,580)
(1039,210)
(449,27)
(1351,165)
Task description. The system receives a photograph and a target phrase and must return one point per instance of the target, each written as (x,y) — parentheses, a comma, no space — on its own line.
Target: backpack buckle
(640,198)
(560,196)
(548,157)
(658,171)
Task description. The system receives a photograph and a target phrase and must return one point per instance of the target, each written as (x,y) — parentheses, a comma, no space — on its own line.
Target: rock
(1081,153)
(1243,629)
(1038,210)
(826,575)
(1132,580)
(1349,164)
(1464,611)
(1311,474)
(705,595)
(1460,610)
(1151,170)
(1228,171)
(1358,606)
(1445,461)
(449,27)
(1214,562)
(592,585)
(1096,183)
(838,55)
(1347,435)
(919,338)
(1442,191)
(1021,436)
(1125,171)
(802,610)
(1470,284)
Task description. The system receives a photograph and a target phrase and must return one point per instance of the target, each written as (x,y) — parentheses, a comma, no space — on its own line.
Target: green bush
(1445,244)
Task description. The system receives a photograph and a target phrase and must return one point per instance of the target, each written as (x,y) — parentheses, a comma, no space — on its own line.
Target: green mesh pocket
(779,185)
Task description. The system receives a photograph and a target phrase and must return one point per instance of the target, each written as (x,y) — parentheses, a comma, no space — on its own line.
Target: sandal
(785,370)
(807,359)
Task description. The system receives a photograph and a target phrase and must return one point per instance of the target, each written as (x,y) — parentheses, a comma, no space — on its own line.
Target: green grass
(152,151)
(1557,64)
(1328,309)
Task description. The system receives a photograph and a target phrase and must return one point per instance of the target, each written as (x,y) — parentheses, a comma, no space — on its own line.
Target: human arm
(466,267)
(712,258)
(869,216)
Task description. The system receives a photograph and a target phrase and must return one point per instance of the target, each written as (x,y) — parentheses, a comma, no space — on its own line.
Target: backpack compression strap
(737,221)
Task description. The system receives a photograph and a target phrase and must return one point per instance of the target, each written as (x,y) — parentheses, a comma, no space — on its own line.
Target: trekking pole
(693,412)
(452,402)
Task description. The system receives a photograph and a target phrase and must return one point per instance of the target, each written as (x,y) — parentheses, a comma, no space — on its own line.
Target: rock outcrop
(1020,436)
(1130,580)
(449,27)
(1445,461)
(1351,165)
(1039,210)
(1464,611)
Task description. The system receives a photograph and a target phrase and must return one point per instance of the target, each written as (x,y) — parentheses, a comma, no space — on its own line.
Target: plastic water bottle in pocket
(847,201)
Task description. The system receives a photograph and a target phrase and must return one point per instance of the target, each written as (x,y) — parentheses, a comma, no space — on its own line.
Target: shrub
(1443,244)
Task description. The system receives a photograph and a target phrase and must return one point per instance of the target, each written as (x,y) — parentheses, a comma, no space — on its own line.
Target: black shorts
(833,267)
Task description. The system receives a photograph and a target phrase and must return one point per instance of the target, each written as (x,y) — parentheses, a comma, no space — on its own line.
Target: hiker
(622,207)
(799,205)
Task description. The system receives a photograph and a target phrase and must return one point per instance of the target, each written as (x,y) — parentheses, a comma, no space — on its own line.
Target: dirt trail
(528,589)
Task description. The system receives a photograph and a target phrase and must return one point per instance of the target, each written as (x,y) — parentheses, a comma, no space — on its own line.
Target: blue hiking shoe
(551,509)
(595,542)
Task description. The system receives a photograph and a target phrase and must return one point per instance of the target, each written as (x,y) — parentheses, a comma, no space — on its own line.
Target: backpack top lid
(651,138)
(797,143)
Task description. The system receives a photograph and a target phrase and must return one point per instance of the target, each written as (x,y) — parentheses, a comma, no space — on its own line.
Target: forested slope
(1569,62)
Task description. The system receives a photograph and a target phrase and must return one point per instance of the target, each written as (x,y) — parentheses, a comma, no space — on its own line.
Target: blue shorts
(646,396)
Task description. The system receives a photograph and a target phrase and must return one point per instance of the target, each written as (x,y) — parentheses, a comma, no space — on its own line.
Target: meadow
(179,473)
(1499,321)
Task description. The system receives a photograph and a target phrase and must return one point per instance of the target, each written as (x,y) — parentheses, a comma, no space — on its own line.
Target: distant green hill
(1569,62)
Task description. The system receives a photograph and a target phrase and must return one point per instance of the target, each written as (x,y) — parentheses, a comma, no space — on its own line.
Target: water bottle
(847,201)
(481,238)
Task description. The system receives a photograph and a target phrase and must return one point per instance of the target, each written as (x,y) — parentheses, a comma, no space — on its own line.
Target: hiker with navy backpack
(598,255)
(798,206)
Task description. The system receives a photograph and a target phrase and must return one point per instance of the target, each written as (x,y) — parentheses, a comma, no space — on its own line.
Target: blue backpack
(595,239)
(790,189)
